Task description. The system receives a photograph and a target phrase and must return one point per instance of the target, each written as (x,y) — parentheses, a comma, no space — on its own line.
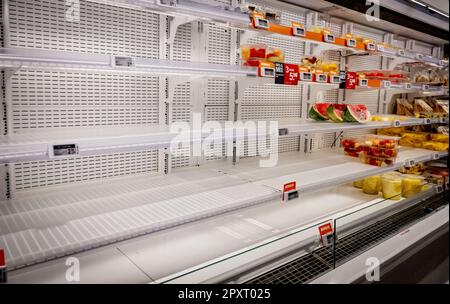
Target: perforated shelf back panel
(60,99)
(101,29)
(30,175)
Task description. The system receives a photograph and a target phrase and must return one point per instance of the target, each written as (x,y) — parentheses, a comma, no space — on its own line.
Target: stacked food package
(430,141)
(374,150)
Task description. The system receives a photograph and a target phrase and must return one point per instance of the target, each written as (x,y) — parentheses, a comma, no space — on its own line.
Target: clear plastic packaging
(376,161)
(412,185)
(372,184)
(253,52)
(274,55)
(391,184)
(352,146)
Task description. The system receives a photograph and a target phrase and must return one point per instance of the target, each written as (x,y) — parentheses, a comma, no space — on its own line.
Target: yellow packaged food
(391,131)
(412,185)
(413,139)
(358,183)
(440,138)
(435,146)
(391,186)
(372,184)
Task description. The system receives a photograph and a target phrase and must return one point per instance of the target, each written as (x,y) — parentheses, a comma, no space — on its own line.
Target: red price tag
(291,74)
(2,258)
(350,82)
(325,229)
(289,187)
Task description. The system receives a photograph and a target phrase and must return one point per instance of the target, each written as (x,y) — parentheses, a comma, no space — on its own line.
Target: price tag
(291,74)
(401,52)
(386,84)
(410,163)
(439,188)
(427,121)
(425,87)
(321,78)
(335,79)
(298,29)
(371,46)
(326,234)
(435,156)
(261,23)
(306,76)
(290,191)
(350,42)
(443,120)
(267,69)
(408,86)
(396,123)
(419,56)
(350,81)
(363,82)
(123,61)
(443,62)
(63,150)
(328,38)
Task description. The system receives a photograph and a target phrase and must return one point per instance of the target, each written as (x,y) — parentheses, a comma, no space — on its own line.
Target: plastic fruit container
(253,51)
(381,141)
(379,152)
(391,185)
(352,146)
(412,185)
(376,161)
(372,184)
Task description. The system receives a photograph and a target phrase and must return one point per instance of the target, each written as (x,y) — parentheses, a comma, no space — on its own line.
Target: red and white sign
(289,187)
(325,229)
(350,82)
(2,258)
(291,74)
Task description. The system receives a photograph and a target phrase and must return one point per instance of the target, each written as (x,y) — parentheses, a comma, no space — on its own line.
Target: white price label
(298,31)
(268,72)
(419,56)
(427,121)
(439,188)
(435,156)
(329,38)
(321,77)
(335,79)
(63,150)
(363,82)
(386,84)
(410,163)
(351,42)
(396,123)
(371,46)
(408,86)
(401,52)
(425,87)
(123,61)
(261,23)
(306,76)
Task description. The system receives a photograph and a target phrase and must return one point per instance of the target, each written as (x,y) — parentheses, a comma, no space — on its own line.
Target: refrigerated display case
(93,102)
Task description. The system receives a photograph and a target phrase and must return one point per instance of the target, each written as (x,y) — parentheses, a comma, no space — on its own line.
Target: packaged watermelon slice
(318,111)
(356,113)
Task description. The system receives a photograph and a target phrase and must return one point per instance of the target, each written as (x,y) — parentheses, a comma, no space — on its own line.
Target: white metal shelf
(37,144)
(40,225)
(26,58)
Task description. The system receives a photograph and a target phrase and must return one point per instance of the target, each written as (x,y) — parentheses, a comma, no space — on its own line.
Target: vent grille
(62,171)
(310,266)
